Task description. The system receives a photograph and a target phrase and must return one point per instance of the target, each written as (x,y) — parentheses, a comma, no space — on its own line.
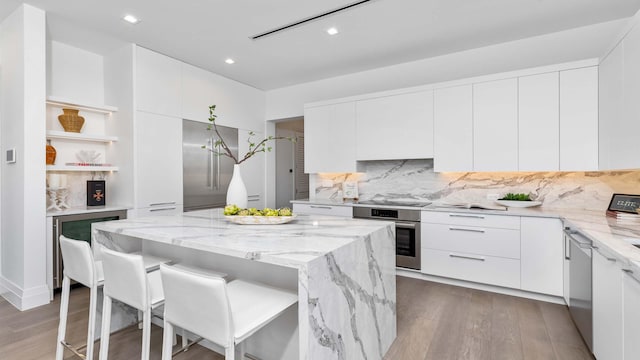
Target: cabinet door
(158,165)
(610,84)
(607,307)
(631,317)
(329,134)
(627,140)
(253,170)
(579,119)
(542,259)
(395,127)
(495,126)
(453,129)
(539,123)
(158,83)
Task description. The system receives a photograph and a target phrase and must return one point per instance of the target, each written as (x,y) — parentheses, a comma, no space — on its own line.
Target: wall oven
(407,231)
(76,227)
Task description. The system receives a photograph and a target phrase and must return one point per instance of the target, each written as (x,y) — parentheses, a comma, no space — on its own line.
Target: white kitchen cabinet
(542,260)
(607,306)
(495,126)
(323,209)
(610,92)
(198,94)
(631,318)
(627,139)
(453,129)
(579,119)
(566,270)
(539,123)
(329,135)
(395,127)
(158,161)
(158,83)
(253,169)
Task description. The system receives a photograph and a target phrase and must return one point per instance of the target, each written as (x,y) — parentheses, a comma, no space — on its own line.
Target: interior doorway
(291,181)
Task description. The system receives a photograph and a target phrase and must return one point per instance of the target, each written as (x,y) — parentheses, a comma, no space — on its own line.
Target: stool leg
(64,310)
(167,340)
(146,334)
(106,328)
(91,336)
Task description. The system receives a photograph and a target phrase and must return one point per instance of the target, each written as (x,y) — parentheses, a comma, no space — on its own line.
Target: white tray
(260,220)
(519,204)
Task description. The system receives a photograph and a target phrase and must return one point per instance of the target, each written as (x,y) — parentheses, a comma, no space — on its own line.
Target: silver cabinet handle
(465,229)
(612,259)
(628,271)
(467,216)
(320,207)
(163,203)
(163,209)
(401,225)
(466,257)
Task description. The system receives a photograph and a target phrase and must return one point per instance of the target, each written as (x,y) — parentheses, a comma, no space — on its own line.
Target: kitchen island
(342,269)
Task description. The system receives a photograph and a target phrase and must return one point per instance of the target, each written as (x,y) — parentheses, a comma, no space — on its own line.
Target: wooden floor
(435,321)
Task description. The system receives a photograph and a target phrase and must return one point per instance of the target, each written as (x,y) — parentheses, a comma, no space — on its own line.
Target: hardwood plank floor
(435,321)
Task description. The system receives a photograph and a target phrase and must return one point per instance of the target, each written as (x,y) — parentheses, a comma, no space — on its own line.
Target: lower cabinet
(516,252)
(253,170)
(631,318)
(542,261)
(318,209)
(607,306)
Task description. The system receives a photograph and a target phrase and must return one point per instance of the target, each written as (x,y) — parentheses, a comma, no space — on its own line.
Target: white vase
(237,192)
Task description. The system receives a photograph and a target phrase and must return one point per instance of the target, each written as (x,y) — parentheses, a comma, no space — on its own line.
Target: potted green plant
(237,192)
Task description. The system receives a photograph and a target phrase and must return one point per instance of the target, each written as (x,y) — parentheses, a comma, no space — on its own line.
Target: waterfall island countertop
(345,271)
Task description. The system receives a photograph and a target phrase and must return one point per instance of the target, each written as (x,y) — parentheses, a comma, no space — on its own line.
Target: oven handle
(403,225)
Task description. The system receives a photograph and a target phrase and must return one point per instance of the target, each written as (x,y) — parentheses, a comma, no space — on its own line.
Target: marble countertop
(86,210)
(613,237)
(294,244)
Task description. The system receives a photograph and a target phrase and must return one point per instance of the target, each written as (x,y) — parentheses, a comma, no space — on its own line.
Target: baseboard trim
(484,287)
(24,299)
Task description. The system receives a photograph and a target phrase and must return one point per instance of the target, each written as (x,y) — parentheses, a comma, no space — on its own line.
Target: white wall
(75,74)
(22,114)
(570,45)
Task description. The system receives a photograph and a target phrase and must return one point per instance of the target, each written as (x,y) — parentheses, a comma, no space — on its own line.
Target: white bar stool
(126,280)
(221,312)
(79,266)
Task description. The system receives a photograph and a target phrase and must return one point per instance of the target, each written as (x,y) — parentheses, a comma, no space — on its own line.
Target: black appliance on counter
(406,215)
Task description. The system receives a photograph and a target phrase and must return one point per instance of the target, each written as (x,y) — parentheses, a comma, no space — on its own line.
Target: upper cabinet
(579,119)
(395,127)
(619,91)
(158,83)
(329,135)
(538,123)
(495,122)
(453,129)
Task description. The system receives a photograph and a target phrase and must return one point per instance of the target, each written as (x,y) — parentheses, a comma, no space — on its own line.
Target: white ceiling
(379,33)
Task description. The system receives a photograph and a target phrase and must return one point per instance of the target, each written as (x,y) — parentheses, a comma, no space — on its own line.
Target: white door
(607,307)
(631,317)
(158,83)
(610,92)
(253,169)
(495,126)
(542,259)
(579,119)
(453,129)
(329,133)
(539,123)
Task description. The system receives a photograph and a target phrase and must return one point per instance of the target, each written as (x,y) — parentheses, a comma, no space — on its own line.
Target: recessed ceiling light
(131,19)
(332,31)
(229,61)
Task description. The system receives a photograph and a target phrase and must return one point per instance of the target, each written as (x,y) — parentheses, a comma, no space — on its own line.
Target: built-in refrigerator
(205,174)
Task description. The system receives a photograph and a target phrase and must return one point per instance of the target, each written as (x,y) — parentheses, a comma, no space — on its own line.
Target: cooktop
(397,202)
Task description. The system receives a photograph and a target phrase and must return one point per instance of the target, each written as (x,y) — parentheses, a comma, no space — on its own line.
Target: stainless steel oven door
(408,245)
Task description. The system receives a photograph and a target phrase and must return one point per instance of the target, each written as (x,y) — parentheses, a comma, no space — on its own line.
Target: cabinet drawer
(471,267)
(471,219)
(333,210)
(472,239)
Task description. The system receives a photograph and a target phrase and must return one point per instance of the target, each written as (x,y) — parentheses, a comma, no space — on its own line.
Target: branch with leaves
(219,147)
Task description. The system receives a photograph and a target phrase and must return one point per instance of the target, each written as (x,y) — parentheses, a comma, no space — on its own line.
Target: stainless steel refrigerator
(205,175)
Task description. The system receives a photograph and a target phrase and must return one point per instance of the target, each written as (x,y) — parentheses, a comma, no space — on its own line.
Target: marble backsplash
(76,182)
(415,179)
